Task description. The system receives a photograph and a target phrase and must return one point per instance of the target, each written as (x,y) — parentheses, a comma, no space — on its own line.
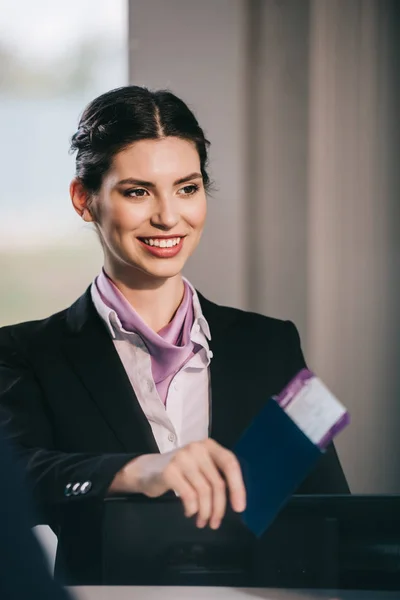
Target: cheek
(203,214)
(197,214)
(123,216)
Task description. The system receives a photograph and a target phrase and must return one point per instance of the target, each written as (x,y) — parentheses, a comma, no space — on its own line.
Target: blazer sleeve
(328,476)
(51,474)
(23,575)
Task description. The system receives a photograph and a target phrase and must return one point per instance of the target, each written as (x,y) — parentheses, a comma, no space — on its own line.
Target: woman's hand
(200,473)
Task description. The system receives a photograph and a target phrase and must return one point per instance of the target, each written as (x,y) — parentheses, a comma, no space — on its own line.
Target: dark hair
(125,115)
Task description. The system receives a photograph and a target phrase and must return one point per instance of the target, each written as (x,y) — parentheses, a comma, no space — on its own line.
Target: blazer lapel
(92,354)
(235,388)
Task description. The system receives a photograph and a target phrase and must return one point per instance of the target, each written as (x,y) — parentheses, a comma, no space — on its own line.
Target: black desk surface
(317,542)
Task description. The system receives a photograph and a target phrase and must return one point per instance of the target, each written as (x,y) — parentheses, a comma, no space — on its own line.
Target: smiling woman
(142,180)
(151,196)
(142,385)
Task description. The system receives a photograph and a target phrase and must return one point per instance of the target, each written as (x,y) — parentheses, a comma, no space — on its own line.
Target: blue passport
(275,456)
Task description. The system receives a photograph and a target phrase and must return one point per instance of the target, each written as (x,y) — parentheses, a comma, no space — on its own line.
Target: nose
(166,215)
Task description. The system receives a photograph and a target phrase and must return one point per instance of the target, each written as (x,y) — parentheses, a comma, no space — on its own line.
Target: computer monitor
(316,542)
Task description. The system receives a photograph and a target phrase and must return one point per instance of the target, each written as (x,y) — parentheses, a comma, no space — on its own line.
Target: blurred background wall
(301,103)
(300,100)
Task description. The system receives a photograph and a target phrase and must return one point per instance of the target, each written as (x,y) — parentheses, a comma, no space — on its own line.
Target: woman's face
(151,207)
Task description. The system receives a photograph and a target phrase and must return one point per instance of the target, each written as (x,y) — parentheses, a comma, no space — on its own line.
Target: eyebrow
(133,181)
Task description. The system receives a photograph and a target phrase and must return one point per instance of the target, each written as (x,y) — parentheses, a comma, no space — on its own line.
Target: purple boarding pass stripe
(294,387)
(334,430)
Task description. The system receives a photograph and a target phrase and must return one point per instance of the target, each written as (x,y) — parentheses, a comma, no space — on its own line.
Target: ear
(80,198)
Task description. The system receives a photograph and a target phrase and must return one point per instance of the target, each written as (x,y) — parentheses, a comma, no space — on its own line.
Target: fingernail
(215,524)
(240,505)
(191,510)
(201,524)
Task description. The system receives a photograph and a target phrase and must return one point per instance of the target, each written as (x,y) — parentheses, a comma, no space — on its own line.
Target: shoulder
(264,344)
(31,335)
(247,323)
(23,335)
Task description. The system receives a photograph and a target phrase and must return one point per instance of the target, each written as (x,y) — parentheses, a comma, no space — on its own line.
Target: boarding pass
(313,408)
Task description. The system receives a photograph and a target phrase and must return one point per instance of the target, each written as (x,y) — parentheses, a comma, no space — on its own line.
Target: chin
(163,271)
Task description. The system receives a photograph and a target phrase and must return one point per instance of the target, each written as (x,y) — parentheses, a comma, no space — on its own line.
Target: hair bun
(90,137)
(81,139)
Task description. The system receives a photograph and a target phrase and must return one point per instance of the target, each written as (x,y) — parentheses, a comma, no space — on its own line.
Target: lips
(162,247)
(165,242)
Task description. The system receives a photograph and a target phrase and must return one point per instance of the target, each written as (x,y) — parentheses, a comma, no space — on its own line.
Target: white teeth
(162,243)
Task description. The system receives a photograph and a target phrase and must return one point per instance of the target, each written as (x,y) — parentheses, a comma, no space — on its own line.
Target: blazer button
(67,489)
(76,489)
(86,487)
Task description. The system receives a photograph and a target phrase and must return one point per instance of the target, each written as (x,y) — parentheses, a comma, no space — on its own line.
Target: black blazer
(70,409)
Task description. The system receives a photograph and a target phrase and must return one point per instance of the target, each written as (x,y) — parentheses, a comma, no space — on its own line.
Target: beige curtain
(301,101)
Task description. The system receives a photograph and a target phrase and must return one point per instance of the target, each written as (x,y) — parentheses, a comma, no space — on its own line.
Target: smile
(160,243)
(162,247)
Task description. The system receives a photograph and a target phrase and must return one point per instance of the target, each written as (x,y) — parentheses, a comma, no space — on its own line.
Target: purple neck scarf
(170,348)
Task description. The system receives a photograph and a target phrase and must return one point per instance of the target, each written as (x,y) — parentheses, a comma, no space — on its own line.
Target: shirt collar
(105,313)
(199,318)
(110,317)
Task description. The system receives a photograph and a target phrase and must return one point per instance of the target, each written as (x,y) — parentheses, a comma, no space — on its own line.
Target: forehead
(163,157)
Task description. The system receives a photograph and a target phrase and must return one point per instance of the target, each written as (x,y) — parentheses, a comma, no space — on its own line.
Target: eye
(135,193)
(189,190)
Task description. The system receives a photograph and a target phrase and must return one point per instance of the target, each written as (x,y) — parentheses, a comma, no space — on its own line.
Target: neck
(155,300)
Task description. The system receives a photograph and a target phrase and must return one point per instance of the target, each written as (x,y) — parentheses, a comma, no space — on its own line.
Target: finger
(218,488)
(229,465)
(198,454)
(177,482)
(204,495)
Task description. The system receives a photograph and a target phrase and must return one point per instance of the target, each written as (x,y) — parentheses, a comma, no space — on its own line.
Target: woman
(142,385)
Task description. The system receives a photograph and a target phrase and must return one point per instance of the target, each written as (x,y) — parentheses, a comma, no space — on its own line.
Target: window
(54,58)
